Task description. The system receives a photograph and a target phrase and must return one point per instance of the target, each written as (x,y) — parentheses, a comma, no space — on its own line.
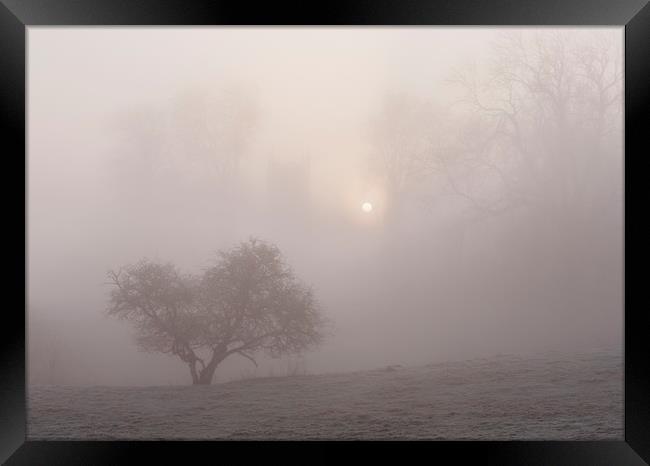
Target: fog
(492,159)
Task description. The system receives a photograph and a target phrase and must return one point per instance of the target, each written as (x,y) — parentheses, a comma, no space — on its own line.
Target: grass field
(506,397)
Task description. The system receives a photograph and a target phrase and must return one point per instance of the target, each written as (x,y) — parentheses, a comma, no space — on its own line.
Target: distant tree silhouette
(248,302)
(540,119)
(406,133)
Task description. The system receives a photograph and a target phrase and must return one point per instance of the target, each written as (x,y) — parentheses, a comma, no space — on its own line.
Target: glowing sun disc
(366,207)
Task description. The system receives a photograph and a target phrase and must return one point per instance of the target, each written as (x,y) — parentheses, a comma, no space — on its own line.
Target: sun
(366,207)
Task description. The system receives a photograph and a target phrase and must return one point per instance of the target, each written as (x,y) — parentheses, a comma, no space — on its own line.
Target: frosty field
(501,398)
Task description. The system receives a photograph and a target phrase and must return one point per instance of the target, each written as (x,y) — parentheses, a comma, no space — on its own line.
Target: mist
(496,221)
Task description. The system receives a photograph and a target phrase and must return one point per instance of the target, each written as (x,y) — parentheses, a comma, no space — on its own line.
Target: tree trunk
(195,375)
(206,374)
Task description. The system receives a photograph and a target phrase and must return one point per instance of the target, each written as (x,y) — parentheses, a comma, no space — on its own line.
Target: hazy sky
(109,182)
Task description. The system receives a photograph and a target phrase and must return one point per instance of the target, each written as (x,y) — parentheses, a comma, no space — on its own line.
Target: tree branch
(250,358)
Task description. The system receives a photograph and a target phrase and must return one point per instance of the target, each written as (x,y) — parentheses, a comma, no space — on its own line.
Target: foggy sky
(121,165)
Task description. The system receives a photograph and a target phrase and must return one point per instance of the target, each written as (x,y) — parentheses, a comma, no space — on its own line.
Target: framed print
(392,229)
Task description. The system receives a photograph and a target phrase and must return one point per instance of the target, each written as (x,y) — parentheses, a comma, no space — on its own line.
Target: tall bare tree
(198,139)
(212,130)
(533,129)
(539,117)
(537,132)
(407,132)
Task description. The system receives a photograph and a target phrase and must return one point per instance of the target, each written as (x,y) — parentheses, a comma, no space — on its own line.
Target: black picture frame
(17,15)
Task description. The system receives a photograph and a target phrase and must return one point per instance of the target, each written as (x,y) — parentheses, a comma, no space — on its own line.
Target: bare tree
(542,111)
(536,132)
(199,138)
(406,133)
(531,130)
(248,302)
(212,130)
